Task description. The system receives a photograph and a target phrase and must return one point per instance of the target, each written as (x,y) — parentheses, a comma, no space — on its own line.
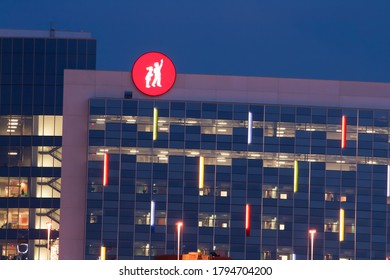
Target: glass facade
(31,99)
(248,181)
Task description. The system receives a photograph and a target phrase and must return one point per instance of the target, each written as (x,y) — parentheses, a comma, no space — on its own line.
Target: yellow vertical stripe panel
(341,230)
(296,175)
(155,123)
(102,253)
(201,172)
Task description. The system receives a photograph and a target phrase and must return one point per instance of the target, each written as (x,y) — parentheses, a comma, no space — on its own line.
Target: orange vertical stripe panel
(105,170)
(248,220)
(344,132)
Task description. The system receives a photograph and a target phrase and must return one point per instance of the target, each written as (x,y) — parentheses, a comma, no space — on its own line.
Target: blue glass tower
(32,67)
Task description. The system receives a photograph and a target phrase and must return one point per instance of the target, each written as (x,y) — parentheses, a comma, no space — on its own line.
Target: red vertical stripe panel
(105,170)
(344,132)
(248,220)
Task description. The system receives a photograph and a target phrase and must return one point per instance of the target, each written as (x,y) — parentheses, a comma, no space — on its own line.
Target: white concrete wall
(244,89)
(81,85)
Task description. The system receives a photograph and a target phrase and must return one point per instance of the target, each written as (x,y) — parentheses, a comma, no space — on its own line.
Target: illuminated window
(283,196)
(142,217)
(49,125)
(329,196)
(141,248)
(95,216)
(16,125)
(17,218)
(142,187)
(224,130)
(328,257)
(206,190)
(270,191)
(48,187)
(270,223)
(349,226)
(331,225)
(206,220)
(14,187)
(3,218)
(145,127)
(222,189)
(160,218)
(221,220)
(209,130)
(49,156)
(266,255)
(283,257)
(279,129)
(8,248)
(46,215)
(224,193)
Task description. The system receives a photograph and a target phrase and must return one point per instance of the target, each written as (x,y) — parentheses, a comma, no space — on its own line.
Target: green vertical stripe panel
(296,175)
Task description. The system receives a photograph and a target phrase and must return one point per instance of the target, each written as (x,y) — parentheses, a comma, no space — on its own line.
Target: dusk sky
(316,39)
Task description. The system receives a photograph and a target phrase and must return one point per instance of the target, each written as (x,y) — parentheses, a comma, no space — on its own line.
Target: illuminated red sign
(153,73)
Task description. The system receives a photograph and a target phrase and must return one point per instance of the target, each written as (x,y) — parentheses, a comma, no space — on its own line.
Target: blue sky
(319,39)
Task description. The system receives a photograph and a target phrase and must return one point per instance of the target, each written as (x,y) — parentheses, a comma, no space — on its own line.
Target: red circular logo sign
(153,73)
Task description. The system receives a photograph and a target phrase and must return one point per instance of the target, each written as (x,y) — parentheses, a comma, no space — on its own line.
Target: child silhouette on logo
(148,76)
(157,74)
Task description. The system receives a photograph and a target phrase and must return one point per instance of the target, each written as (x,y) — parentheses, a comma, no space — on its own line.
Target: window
(266,255)
(328,257)
(48,187)
(142,187)
(331,225)
(223,188)
(14,218)
(43,216)
(283,196)
(206,220)
(270,191)
(221,220)
(142,217)
(9,248)
(14,187)
(329,196)
(350,226)
(95,216)
(49,125)
(141,249)
(161,218)
(49,156)
(3,218)
(270,223)
(16,125)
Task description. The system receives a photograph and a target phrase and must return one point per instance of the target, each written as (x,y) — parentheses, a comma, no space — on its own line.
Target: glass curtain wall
(31,90)
(247,181)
